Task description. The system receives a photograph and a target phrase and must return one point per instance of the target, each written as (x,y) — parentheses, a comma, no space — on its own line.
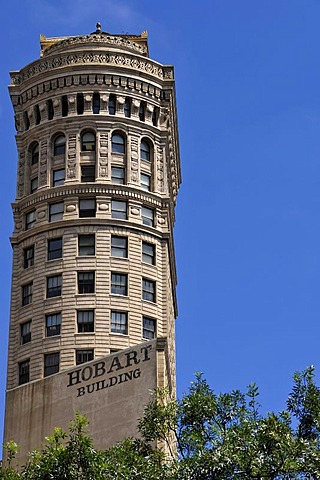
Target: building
(94,276)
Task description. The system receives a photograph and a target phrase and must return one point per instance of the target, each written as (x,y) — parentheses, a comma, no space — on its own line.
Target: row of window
(88,144)
(87,247)
(88,174)
(86,285)
(85,324)
(113,108)
(87,209)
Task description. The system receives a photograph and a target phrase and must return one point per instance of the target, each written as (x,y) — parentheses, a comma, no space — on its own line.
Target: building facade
(98,174)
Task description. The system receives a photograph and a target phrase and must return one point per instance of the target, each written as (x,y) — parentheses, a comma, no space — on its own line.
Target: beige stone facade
(98,175)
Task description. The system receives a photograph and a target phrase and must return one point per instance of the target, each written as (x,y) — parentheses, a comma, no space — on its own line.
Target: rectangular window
(148,290)
(86,245)
(119,283)
(112,104)
(88,173)
(53,324)
(117,175)
(54,286)
(87,207)
(24,372)
(119,209)
(83,356)
(145,182)
(119,246)
(119,322)
(27,294)
(148,328)
(30,219)
(58,177)
(34,185)
(56,212)
(85,282)
(51,364)
(85,320)
(28,257)
(55,248)
(147,215)
(148,253)
(25,332)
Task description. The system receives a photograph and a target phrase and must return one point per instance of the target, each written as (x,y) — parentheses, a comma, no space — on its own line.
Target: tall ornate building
(93,285)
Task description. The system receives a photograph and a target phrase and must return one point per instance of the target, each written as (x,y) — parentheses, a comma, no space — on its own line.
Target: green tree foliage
(203,436)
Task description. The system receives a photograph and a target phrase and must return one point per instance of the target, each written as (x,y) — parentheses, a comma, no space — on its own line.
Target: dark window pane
(118,143)
(119,209)
(148,253)
(119,246)
(117,175)
(85,320)
(53,324)
(147,215)
(149,328)
(56,212)
(86,245)
(34,185)
(24,372)
(86,282)
(25,332)
(88,173)
(88,142)
(145,182)
(30,219)
(148,290)
(28,257)
(127,107)
(27,294)
(112,105)
(64,105)
(80,104)
(119,322)
(35,154)
(95,102)
(145,151)
(119,283)
(59,177)
(51,364)
(87,208)
(54,286)
(83,356)
(54,248)
(59,146)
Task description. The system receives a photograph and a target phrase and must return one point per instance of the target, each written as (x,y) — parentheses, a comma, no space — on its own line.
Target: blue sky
(247,231)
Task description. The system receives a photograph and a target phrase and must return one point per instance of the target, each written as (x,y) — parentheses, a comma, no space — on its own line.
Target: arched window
(35,154)
(118,143)
(96,102)
(145,151)
(88,142)
(59,145)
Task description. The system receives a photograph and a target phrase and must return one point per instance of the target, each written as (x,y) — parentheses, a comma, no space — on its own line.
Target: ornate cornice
(92,58)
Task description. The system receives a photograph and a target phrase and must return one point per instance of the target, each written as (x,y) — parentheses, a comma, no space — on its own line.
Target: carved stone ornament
(103,155)
(41,214)
(103,206)
(135,211)
(71,163)
(70,208)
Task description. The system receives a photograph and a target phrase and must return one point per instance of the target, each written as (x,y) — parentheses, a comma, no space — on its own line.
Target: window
(64,106)
(50,109)
(148,328)
(30,219)
(119,246)
(26,120)
(148,290)
(25,332)
(80,104)
(56,212)
(147,215)
(59,145)
(35,154)
(145,151)
(37,115)
(54,284)
(119,283)
(88,142)
(118,143)
(51,364)
(127,107)
(117,175)
(112,105)
(155,116)
(83,356)
(86,245)
(88,173)
(55,248)
(119,322)
(24,372)
(119,209)
(85,320)
(28,257)
(34,185)
(145,181)
(27,294)
(58,177)
(87,207)
(142,111)
(53,324)
(85,282)
(96,102)
(148,253)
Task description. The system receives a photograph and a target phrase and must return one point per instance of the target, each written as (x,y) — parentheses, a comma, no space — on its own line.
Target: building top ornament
(135,43)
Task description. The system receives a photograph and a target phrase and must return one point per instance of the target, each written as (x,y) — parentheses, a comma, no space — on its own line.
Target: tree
(200,437)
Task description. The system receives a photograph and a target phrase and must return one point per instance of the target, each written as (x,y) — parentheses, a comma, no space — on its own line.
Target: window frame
(59,148)
(24,376)
(112,104)
(27,293)
(148,293)
(118,147)
(87,284)
(114,322)
(34,188)
(30,219)
(56,216)
(87,212)
(88,145)
(120,214)
(54,367)
(119,284)
(117,179)
(145,186)
(52,251)
(146,256)
(147,216)
(88,178)
(56,182)
(117,248)
(87,325)
(86,236)
(35,154)
(25,336)
(146,328)
(54,290)
(145,151)
(54,329)
(89,352)
(28,260)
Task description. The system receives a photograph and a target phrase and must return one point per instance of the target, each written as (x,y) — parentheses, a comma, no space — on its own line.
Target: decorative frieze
(43,155)
(103,156)
(72,157)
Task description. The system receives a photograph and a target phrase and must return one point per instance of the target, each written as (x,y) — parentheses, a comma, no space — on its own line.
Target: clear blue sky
(247,231)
